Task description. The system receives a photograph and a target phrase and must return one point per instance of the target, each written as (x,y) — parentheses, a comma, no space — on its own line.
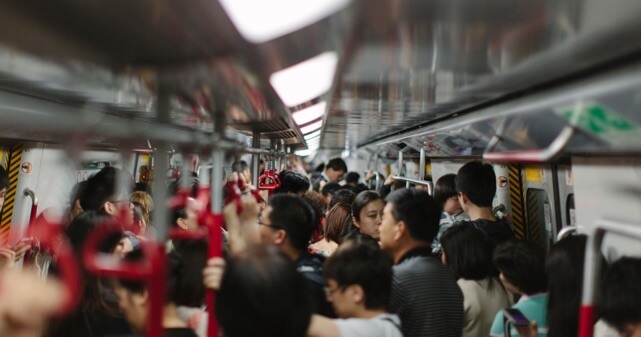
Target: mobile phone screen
(517,317)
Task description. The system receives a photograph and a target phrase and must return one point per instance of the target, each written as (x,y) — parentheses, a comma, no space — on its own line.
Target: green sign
(598,120)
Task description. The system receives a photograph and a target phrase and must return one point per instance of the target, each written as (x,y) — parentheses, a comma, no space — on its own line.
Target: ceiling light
(312,135)
(309,114)
(304,153)
(259,21)
(307,80)
(311,127)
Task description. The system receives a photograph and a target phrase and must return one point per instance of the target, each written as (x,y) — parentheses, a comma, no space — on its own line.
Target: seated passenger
(445,194)
(476,186)
(134,300)
(367,213)
(467,252)
(521,264)
(620,297)
(260,294)
(359,278)
(424,293)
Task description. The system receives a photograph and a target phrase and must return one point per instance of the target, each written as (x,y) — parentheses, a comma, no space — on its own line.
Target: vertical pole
(421,165)
(255,158)
(378,177)
(400,163)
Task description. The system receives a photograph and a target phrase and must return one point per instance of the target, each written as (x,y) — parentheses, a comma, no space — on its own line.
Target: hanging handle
(530,156)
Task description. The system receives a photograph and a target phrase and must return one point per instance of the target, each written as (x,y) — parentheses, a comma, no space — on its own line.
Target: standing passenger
(367,213)
(445,194)
(333,173)
(424,293)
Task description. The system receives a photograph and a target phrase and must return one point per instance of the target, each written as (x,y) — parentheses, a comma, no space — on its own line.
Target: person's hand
(21,248)
(7,258)
(531,330)
(370,175)
(243,227)
(389,181)
(213,273)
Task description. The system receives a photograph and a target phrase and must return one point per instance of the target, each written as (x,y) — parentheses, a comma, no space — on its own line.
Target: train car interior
(547,92)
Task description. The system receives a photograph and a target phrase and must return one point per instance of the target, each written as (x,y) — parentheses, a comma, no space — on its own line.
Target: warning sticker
(502,182)
(569,177)
(534,174)
(26,167)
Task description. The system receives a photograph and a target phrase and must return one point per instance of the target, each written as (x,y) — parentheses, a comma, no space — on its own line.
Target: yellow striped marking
(15,159)
(516,200)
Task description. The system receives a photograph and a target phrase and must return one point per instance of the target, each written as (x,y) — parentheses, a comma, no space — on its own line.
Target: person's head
(476,185)
(446,195)
(618,303)
(102,193)
(328,191)
(142,187)
(241,167)
(292,182)
(315,199)
(185,216)
(359,276)
(344,196)
(564,269)
(367,213)
(410,216)
(74,201)
(261,291)
(335,169)
(143,199)
(467,252)
(352,178)
(337,219)
(521,264)
(184,286)
(288,222)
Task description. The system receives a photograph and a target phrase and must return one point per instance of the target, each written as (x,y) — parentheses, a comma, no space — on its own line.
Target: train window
(539,217)
(570,213)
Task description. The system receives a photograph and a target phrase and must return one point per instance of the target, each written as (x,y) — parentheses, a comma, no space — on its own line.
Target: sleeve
(497,329)
(366,328)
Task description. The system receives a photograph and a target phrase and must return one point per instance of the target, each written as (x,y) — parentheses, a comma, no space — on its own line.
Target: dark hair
(522,263)
(4,178)
(184,266)
(330,188)
(418,210)
(142,187)
(359,261)
(101,188)
(239,166)
(564,268)
(76,191)
(621,293)
(293,214)
(478,182)
(352,178)
(292,182)
(261,291)
(338,218)
(178,212)
(344,196)
(468,252)
(445,188)
(358,188)
(362,199)
(336,164)
(316,201)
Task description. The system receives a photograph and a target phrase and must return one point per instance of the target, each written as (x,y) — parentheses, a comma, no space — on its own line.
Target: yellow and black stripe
(516,200)
(13,168)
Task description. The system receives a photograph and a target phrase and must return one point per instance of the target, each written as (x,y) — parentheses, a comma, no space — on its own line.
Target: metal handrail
(530,156)
(566,231)
(593,267)
(416,181)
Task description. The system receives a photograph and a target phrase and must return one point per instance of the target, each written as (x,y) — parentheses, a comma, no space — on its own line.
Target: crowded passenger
(104,193)
(351,179)
(292,182)
(315,199)
(328,190)
(336,226)
(467,252)
(342,195)
(620,296)
(332,173)
(367,213)
(424,293)
(446,195)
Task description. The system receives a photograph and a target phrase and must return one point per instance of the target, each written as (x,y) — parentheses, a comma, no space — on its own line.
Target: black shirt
(497,231)
(180,332)
(310,266)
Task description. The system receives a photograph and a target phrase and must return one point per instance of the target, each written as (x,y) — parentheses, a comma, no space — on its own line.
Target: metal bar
(533,156)
(593,267)
(400,162)
(378,178)
(421,164)
(416,181)
(566,231)
(255,158)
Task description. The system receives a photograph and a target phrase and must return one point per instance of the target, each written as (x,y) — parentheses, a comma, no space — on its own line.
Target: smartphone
(515,316)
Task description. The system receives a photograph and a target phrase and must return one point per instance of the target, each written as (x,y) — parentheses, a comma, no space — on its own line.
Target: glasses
(329,291)
(261,223)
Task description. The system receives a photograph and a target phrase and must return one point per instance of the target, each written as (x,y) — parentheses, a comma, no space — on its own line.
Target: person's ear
(355,222)
(140,299)
(357,294)
(181,223)
(400,230)
(281,237)
(463,199)
(110,208)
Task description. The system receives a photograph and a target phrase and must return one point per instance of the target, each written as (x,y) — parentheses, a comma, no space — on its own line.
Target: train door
(540,204)
(566,195)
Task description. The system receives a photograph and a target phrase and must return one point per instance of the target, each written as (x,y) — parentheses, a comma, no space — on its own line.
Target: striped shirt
(426,297)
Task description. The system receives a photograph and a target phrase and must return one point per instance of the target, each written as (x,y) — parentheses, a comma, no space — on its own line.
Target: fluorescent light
(307,80)
(311,127)
(259,21)
(309,114)
(312,135)
(304,153)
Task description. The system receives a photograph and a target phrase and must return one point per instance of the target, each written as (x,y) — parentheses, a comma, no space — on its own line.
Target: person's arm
(242,228)
(213,273)
(321,326)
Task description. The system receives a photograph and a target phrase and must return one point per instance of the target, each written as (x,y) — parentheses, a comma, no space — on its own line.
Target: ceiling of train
(409,72)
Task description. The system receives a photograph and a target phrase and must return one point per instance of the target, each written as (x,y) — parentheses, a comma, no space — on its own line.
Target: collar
(420,251)
(324,175)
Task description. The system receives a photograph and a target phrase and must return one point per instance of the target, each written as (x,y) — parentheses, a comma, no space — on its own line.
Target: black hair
(142,187)
(101,188)
(343,195)
(358,188)
(336,164)
(418,210)
(564,268)
(445,188)
(330,188)
(359,261)
(4,178)
(478,182)
(76,191)
(294,215)
(468,252)
(522,263)
(352,178)
(618,303)
(261,291)
(179,212)
(362,199)
(292,182)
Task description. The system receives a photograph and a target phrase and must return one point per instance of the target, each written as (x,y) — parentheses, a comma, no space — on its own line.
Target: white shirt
(383,325)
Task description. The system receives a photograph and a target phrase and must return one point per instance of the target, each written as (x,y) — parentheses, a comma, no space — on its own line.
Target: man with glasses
(104,194)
